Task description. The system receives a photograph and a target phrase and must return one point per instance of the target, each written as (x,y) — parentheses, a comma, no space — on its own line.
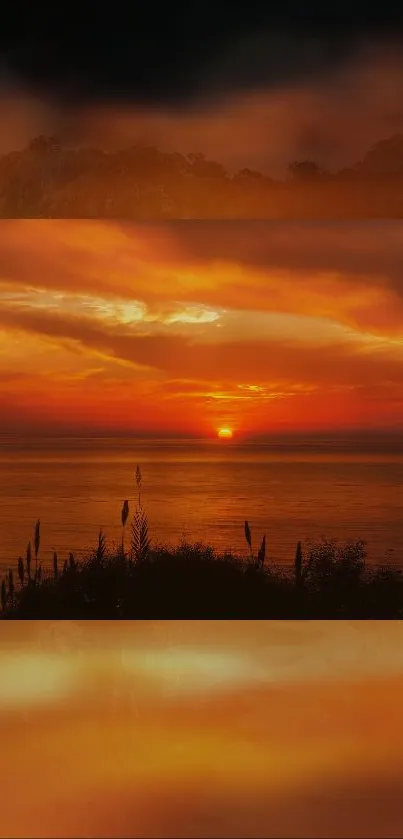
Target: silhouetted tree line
(47,180)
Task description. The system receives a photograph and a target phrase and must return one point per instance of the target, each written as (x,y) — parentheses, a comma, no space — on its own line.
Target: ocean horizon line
(358,441)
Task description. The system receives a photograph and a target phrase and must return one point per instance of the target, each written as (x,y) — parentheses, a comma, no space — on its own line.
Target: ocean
(201,491)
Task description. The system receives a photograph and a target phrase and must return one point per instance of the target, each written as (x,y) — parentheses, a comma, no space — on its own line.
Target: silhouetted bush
(327,580)
(194,581)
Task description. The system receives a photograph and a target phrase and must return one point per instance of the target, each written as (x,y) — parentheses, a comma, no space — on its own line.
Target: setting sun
(225,433)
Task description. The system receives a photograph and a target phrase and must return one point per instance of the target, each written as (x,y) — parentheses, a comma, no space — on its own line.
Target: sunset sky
(186,327)
(201,728)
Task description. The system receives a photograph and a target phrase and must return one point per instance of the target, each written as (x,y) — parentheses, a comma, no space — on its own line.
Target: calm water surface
(200,490)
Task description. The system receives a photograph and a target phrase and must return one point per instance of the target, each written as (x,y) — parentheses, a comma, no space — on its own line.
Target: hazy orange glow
(201,728)
(170,328)
(225,433)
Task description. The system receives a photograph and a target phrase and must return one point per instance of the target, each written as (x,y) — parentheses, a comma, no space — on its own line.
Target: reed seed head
(125,512)
(29,558)
(248,535)
(37,537)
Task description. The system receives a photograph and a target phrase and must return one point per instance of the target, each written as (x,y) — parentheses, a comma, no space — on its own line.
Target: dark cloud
(183,49)
(256,99)
(368,251)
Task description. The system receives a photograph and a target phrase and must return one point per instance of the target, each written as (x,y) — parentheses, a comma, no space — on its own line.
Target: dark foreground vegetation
(49,180)
(193,581)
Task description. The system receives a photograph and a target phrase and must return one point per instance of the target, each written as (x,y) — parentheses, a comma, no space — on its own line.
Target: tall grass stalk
(248,537)
(138,477)
(259,562)
(101,549)
(298,567)
(124,515)
(37,541)
(140,542)
(21,570)
(29,559)
(262,553)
